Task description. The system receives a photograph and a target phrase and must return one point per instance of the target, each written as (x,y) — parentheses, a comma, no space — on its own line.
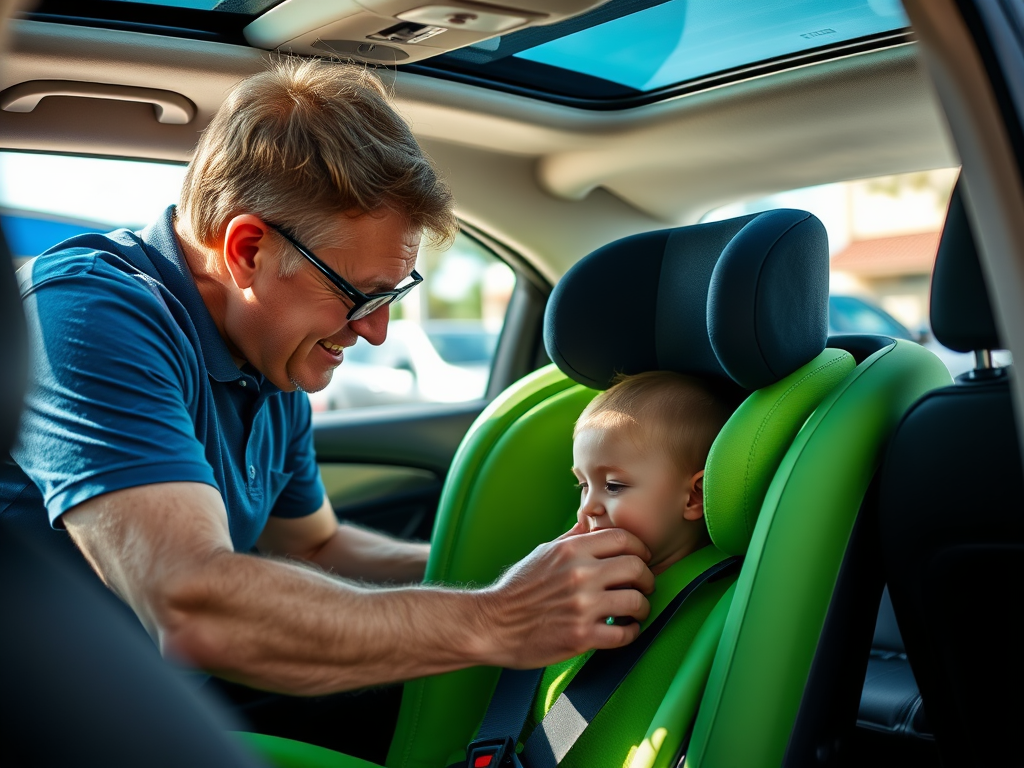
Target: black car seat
(952,527)
(78,686)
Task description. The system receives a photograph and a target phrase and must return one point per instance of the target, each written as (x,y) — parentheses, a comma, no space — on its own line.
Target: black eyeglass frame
(359,299)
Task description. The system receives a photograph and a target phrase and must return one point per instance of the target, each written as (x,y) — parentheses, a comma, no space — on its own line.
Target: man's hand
(554,604)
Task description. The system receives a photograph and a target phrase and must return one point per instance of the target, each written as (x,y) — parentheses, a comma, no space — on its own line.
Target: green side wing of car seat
(510,488)
(784,589)
(285,753)
(745,456)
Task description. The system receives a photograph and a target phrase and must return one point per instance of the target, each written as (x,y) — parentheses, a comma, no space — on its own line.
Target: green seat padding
(285,753)
(799,542)
(510,488)
(618,728)
(750,447)
(669,725)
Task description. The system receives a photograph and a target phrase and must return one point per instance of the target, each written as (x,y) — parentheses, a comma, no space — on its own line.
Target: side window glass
(441,339)
(883,236)
(45,199)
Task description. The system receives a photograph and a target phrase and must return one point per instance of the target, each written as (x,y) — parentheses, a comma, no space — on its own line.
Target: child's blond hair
(680,414)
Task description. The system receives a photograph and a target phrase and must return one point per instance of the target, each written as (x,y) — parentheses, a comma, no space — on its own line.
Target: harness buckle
(493,753)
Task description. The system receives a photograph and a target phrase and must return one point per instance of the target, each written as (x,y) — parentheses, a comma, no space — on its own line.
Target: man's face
(293,329)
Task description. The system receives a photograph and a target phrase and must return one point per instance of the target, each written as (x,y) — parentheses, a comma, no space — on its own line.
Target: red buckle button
(483,761)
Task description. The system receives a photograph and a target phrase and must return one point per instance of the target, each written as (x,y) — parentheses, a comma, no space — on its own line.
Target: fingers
(576,530)
(624,602)
(626,571)
(615,636)
(610,542)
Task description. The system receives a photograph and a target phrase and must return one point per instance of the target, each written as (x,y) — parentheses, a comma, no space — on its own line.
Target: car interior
(875,502)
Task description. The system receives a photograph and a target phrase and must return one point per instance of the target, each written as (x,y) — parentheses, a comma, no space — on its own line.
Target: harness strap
(578,704)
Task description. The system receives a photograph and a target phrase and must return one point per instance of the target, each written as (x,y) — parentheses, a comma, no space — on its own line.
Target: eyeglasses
(363,304)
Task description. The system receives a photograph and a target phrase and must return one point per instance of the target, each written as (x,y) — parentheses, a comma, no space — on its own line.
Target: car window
(45,198)
(443,335)
(441,340)
(883,236)
(850,314)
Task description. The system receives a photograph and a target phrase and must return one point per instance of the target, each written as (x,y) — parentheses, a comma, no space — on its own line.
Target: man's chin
(310,385)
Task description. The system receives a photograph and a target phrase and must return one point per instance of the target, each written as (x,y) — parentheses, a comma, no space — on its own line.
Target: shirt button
(241,382)
(252,472)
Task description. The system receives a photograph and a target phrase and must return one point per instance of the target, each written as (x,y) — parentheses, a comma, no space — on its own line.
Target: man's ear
(244,237)
(694,509)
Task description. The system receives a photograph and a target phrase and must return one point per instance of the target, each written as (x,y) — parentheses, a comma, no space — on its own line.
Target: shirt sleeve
(304,493)
(114,380)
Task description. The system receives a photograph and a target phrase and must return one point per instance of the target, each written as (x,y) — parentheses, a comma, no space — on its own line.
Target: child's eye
(614,488)
(581,486)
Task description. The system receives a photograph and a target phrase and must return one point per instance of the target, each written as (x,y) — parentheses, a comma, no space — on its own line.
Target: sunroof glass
(686,39)
(229,6)
(635,47)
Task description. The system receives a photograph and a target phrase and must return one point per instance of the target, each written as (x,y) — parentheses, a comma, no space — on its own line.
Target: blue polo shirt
(133,385)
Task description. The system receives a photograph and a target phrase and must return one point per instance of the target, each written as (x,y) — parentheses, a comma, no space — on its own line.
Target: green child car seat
(511,488)
(745,300)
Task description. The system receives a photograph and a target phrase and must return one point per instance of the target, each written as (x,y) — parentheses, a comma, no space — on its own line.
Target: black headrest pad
(642,303)
(961,313)
(768,300)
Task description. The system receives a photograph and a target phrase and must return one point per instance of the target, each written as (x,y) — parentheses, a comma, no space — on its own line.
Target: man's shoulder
(103,256)
(92,266)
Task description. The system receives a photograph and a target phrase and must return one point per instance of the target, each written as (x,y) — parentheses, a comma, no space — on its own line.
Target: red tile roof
(889,256)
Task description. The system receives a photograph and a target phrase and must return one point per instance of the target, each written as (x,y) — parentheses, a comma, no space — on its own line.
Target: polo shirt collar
(164,250)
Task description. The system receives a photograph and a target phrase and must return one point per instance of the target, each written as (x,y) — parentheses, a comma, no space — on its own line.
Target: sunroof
(219,20)
(253,7)
(630,48)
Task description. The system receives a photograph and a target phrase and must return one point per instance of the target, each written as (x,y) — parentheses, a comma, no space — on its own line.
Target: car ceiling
(552,182)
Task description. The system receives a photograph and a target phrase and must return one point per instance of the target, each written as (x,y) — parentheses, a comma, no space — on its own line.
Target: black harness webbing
(578,704)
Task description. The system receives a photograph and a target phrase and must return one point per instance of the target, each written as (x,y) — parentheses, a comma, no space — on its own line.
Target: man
(168,433)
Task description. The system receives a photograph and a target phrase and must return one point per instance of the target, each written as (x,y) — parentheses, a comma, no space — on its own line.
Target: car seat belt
(578,704)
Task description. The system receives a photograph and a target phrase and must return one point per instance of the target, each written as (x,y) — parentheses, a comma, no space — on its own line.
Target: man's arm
(348,551)
(278,625)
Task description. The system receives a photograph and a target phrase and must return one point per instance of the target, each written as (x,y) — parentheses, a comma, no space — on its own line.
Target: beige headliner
(552,182)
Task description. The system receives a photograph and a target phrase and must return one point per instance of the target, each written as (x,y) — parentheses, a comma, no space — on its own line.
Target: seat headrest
(744,299)
(961,313)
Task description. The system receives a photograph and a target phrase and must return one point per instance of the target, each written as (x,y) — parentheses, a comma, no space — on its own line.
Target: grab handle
(170,108)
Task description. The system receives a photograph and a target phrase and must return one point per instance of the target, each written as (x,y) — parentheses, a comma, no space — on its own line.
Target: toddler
(639,451)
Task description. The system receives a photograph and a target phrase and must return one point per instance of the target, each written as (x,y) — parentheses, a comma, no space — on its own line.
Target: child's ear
(694,509)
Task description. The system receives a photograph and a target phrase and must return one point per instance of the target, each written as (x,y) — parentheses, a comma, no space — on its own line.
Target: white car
(406,368)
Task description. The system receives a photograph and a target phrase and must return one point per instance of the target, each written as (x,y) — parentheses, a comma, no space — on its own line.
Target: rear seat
(890,702)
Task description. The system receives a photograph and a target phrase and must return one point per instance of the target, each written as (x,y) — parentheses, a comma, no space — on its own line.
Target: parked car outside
(436,362)
(854,314)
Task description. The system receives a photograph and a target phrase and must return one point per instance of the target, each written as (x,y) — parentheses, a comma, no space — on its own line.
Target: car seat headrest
(743,299)
(961,313)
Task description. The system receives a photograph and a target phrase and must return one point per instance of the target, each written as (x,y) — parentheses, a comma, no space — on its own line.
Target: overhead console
(398,31)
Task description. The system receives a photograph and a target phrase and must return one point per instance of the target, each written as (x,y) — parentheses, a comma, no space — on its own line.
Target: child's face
(628,483)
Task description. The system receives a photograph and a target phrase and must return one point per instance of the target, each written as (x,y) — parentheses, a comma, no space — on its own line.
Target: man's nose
(373,327)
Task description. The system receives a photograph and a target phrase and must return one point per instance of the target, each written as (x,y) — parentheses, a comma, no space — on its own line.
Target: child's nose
(590,507)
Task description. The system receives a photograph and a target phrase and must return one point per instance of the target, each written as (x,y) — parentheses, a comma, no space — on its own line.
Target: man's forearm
(356,553)
(281,626)
(286,626)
